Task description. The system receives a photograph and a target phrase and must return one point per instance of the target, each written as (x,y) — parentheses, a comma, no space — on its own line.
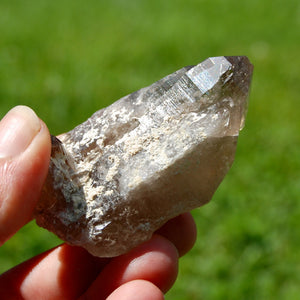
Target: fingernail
(17,129)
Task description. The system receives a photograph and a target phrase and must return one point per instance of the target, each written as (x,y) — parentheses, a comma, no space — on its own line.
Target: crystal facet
(147,158)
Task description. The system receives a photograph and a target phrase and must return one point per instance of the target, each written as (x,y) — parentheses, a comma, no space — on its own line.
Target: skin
(68,272)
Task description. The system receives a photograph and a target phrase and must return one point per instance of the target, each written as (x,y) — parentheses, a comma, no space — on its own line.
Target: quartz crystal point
(147,158)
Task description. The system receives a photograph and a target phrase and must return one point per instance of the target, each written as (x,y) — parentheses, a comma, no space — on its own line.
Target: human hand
(68,272)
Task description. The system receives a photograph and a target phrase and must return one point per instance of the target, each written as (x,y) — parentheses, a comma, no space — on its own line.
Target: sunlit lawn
(66,59)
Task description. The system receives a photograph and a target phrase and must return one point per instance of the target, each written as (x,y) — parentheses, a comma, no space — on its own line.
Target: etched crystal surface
(147,158)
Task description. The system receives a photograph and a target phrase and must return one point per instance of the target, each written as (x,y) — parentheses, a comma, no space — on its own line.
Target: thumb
(24,159)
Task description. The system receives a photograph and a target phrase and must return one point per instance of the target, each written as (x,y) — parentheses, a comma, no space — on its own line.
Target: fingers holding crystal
(24,159)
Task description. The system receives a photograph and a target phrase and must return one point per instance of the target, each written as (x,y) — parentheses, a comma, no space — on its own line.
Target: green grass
(67,59)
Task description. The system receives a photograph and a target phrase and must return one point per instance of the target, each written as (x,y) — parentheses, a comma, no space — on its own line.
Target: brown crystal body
(147,158)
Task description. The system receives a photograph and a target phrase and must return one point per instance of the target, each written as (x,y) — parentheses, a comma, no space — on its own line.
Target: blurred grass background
(67,59)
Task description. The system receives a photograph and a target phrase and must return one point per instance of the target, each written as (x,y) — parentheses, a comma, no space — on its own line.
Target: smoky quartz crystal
(147,158)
